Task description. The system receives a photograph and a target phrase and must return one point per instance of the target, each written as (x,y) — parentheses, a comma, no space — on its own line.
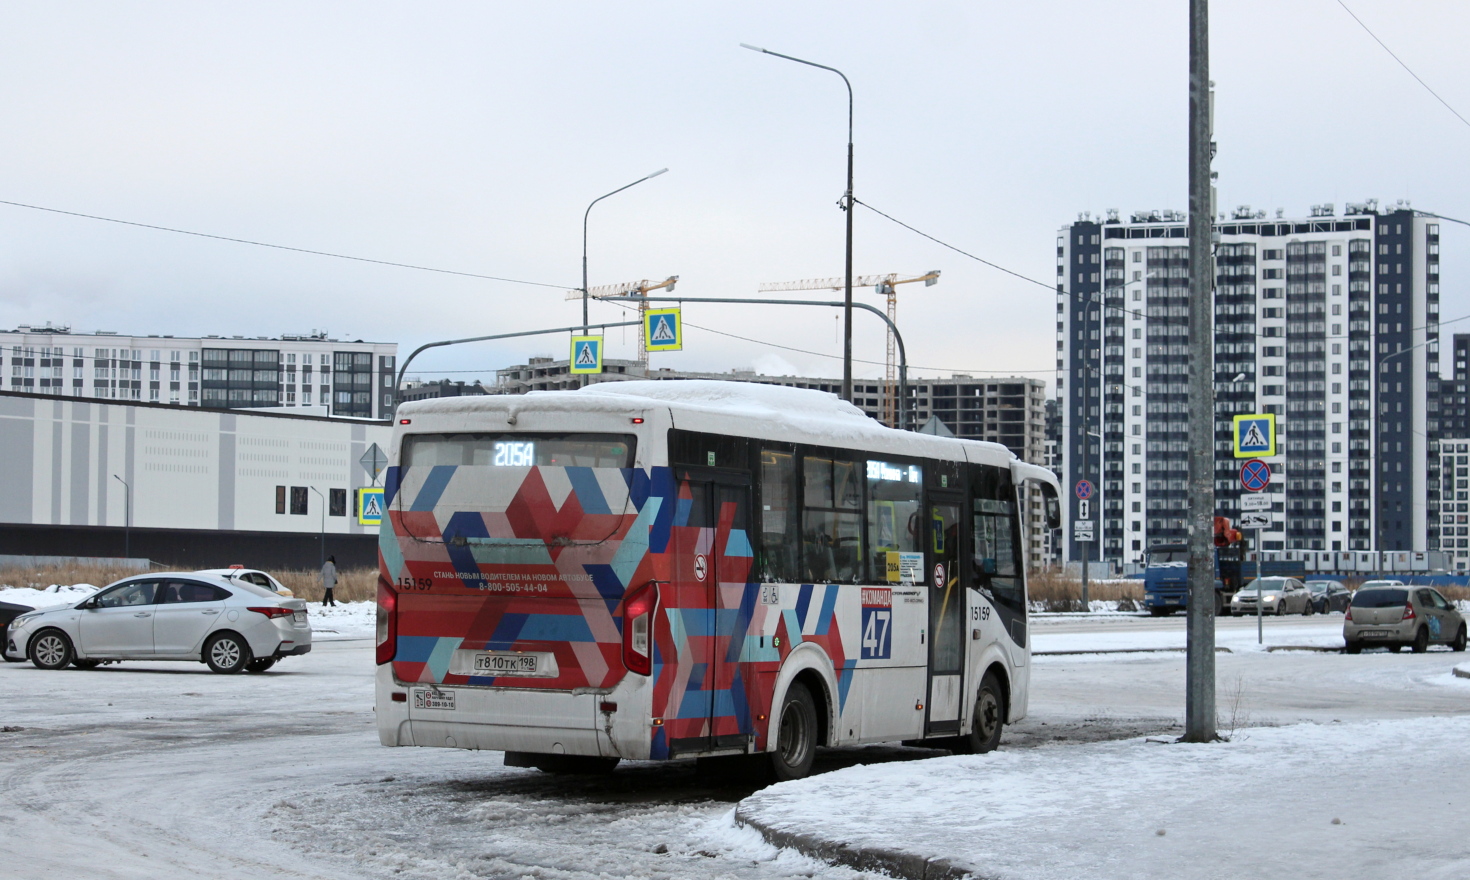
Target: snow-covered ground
(49,597)
(1353,800)
(133,770)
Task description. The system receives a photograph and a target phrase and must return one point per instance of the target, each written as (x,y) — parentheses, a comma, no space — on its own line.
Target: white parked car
(250,576)
(230,625)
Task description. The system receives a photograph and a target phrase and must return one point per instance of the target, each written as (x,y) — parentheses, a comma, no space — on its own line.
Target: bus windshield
(1159,557)
(519,450)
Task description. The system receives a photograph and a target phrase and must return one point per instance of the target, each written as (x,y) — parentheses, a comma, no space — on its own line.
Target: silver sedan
(228,625)
(1275,595)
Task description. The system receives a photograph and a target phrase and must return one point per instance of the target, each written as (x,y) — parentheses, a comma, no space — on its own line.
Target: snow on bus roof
(726,407)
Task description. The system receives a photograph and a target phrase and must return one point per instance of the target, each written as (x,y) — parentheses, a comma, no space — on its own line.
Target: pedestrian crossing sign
(586,354)
(1255,435)
(370,506)
(663,330)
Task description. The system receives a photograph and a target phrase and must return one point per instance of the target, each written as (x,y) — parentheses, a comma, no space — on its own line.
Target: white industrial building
(182,485)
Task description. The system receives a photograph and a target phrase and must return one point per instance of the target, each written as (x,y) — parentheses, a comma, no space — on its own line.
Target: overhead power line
(1395,57)
(279,247)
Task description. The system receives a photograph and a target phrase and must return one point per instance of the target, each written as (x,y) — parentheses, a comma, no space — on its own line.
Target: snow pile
(1331,801)
(53,596)
(346,620)
(1237,638)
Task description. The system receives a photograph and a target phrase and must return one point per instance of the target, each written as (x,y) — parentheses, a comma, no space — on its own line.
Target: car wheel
(260,664)
(85,664)
(51,649)
(227,653)
(1354,647)
(1459,643)
(990,717)
(1280,609)
(1308,609)
(796,734)
(1421,640)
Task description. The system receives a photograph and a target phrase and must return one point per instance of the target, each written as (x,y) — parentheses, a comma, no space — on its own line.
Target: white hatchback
(229,625)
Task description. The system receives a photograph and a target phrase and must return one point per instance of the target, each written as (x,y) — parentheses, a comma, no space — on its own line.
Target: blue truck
(1166,577)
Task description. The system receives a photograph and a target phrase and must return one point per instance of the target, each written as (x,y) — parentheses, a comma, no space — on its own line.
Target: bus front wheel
(990,717)
(796,734)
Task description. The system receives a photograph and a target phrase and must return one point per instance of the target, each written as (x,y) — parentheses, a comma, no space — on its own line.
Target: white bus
(656,570)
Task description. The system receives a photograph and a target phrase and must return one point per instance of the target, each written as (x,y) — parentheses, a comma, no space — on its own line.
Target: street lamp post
(846,206)
(585,215)
(127,516)
(324,523)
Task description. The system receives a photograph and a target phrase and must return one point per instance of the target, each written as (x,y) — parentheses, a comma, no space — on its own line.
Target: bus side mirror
(1053,505)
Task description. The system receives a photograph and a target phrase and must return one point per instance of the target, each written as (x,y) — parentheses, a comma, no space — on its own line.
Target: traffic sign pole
(1084,493)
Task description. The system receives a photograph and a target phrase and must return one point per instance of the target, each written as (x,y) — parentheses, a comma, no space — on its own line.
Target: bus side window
(994,554)
(832,520)
(779,541)
(894,517)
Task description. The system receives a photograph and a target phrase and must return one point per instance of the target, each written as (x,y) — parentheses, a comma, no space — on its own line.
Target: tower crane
(883,285)
(631,288)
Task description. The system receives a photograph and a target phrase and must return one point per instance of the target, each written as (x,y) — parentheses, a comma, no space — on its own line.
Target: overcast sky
(472,137)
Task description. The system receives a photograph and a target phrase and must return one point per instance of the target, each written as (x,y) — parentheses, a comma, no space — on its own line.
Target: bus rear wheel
(989,720)
(796,734)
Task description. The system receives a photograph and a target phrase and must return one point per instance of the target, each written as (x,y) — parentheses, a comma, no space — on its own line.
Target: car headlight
(1270,599)
(21,622)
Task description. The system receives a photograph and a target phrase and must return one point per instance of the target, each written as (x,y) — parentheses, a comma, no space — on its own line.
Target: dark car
(8,612)
(1329,596)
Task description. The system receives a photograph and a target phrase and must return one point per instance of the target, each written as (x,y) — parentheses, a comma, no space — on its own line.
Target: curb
(1218,650)
(1320,649)
(1461,672)
(896,863)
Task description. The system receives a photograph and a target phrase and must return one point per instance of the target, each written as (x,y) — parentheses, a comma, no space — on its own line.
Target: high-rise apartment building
(1329,322)
(235,372)
(1450,520)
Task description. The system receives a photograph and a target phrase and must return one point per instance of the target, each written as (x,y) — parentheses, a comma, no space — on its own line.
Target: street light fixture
(846,206)
(324,523)
(127,517)
(585,214)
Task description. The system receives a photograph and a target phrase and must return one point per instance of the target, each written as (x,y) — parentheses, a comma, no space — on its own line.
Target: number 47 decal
(877,643)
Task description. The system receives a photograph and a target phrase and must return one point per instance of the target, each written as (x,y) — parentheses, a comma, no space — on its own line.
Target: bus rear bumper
(508,719)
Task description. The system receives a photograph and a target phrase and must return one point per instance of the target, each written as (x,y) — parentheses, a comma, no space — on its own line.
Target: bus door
(713,572)
(946,589)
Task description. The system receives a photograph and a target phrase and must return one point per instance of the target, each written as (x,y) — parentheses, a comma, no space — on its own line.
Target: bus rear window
(519,450)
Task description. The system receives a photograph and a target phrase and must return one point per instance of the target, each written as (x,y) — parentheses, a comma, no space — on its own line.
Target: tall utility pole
(846,205)
(1086,455)
(1199,706)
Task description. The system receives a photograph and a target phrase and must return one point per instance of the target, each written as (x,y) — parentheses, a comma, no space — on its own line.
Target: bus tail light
(387,622)
(638,614)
